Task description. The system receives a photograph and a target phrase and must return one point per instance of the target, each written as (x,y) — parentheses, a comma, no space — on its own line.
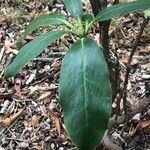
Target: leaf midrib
(84,82)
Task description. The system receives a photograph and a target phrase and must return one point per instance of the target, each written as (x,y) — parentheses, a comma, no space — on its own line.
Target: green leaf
(122,9)
(74,7)
(85,93)
(31,50)
(87,19)
(43,20)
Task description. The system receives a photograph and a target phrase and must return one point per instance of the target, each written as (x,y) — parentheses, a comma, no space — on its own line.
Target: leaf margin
(42,20)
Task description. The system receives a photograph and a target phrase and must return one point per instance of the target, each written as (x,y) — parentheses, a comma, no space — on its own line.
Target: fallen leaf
(133,131)
(31,77)
(133,62)
(145,50)
(144,124)
(56,120)
(29,37)
(9,49)
(6,122)
(44,95)
(55,64)
(17,86)
(57,125)
(34,120)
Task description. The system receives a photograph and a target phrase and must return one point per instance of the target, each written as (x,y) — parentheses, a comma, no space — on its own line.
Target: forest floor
(30,114)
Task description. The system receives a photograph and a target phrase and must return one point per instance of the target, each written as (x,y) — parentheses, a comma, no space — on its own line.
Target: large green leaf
(74,7)
(43,20)
(85,93)
(122,9)
(31,50)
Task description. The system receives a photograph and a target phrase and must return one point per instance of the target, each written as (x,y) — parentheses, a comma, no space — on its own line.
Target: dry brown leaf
(29,37)
(34,120)
(6,122)
(56,120)
(17,86)
(145,49)
(144,124)
(132,132)
(44,95)
(141,125)
(57,125)
(9,49)
(133,62)
(55,64)
(48,98)
(33,89)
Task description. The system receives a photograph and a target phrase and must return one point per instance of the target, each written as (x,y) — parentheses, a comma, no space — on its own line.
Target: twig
(128,68)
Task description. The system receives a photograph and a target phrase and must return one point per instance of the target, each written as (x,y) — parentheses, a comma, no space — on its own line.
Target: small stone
(52,145)
(53,86)
(48,120)
(137,117)
(61,148)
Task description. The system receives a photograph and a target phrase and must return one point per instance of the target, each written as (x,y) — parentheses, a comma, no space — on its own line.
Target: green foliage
(74,7)
(122,9)
(43,20)
(32,50)
(85,93)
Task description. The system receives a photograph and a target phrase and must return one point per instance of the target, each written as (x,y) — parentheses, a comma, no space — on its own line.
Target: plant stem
(128,67)
(98,5)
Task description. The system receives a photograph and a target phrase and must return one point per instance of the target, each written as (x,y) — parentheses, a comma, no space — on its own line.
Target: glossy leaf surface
(74,7)
(122,9)
(31,50)
(43,20)
(85,93)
